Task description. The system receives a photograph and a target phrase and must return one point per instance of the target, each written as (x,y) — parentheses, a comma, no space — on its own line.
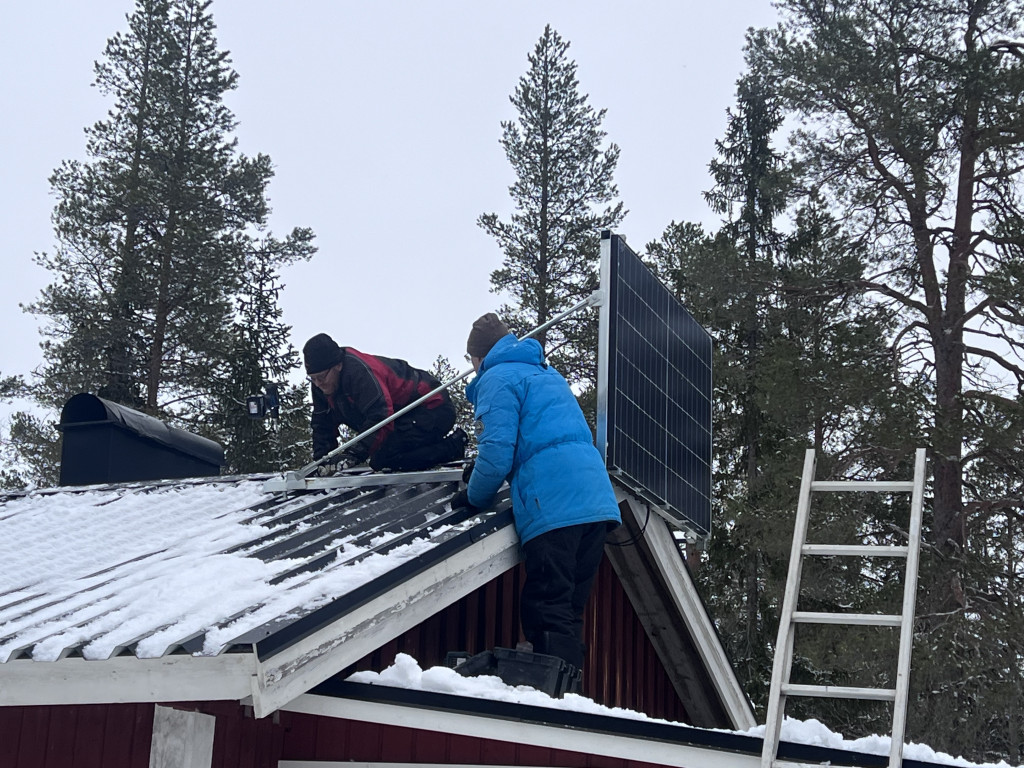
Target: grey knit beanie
(485,334)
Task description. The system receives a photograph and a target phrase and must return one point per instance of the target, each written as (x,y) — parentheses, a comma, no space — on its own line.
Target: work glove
(461,501)
(337,464)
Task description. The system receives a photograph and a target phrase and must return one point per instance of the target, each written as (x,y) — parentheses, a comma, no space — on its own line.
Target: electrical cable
(632,542)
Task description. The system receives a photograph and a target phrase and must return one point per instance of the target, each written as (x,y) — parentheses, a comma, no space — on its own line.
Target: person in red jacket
(360,391)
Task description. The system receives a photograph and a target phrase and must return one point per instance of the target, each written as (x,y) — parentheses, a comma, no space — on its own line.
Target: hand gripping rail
(298,479)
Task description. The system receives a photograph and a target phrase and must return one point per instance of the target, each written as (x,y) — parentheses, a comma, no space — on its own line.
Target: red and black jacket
(370,389)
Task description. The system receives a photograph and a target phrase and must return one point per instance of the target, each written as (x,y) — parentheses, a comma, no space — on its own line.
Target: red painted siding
(344,741)
(88,736)
(622,670)
(119,735)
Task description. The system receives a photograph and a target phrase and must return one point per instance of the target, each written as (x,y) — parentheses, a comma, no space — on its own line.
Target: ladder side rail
(909,605)
(783,661)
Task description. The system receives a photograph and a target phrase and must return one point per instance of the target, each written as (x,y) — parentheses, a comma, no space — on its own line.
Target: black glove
(461,501)
(467,471)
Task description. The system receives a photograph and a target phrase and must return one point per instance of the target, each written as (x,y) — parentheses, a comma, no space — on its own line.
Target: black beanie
(485,334)
(320,353)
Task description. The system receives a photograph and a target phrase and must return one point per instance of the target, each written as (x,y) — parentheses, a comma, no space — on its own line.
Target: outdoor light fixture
(263,405)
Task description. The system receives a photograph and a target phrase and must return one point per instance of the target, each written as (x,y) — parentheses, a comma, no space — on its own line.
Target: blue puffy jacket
(535,435)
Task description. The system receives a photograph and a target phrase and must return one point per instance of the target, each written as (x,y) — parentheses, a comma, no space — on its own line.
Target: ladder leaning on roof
(781,686)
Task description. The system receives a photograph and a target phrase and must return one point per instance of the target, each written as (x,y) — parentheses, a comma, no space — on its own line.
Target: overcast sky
(383,120)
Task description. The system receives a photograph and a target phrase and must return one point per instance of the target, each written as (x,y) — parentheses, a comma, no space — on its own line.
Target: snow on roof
(149,569)
(406,673)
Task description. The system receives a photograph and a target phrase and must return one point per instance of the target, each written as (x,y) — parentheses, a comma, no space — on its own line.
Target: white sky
(383,121)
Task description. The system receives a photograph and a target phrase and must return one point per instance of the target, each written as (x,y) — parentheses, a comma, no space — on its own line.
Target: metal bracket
(293,481)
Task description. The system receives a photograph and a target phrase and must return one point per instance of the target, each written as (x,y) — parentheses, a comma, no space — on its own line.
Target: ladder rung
(839,692)
(864,619)
(859,550)
(862,485)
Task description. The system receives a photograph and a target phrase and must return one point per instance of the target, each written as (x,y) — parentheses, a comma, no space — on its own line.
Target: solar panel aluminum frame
(662,495)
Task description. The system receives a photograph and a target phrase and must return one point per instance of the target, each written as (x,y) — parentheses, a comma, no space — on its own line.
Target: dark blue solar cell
(656,415)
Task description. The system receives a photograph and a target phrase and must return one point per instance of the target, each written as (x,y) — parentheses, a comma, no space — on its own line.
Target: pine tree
(910,122)
(563,195)
(913,122)
(149,229)
(155,231)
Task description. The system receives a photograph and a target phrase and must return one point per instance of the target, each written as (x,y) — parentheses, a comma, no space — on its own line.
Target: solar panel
(653,391)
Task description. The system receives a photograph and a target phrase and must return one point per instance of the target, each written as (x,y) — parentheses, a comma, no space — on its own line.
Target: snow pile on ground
(406,673)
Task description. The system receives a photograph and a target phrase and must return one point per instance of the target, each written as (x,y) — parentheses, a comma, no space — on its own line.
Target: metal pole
(593,300)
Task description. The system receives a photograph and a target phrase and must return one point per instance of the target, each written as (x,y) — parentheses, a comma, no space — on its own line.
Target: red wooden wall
(622,667)
(118,736)
(316,738)
(92,736)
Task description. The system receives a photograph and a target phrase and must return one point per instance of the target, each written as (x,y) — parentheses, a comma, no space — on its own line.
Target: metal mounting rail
(781,687)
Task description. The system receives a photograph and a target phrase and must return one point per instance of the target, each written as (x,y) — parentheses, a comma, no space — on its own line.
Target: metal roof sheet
(208,565)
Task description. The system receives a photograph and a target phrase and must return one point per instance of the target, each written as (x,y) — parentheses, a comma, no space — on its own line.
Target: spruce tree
(798,363)
(259,361)
(444,371)
(564,194)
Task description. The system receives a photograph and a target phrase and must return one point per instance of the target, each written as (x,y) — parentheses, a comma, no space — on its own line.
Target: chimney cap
(85,408)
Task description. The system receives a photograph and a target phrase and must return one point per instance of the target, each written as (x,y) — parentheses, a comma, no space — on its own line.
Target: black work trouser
(560,569)
(418,440)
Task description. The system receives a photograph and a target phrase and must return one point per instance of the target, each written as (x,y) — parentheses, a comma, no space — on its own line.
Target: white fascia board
(518,732)
(665,550)
(326,652)
(126,679)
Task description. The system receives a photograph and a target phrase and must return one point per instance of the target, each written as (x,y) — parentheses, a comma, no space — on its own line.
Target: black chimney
(108,443)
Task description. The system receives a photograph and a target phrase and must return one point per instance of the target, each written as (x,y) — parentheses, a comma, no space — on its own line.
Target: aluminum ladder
(781,687)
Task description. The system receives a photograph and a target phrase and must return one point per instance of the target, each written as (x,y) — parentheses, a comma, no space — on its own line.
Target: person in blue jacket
(532,432)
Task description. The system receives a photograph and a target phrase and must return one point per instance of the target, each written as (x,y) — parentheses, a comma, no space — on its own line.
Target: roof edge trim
(126,679)
(550,735)
(694,614)
(332,647)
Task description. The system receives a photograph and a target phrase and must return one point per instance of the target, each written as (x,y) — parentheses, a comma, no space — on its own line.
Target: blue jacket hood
(509,349)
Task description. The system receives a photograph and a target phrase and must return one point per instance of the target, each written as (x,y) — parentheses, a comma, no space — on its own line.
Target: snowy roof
(439,699)
(222,577)
(75,568)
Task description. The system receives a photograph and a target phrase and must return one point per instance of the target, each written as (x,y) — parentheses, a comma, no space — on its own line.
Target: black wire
(632,542)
